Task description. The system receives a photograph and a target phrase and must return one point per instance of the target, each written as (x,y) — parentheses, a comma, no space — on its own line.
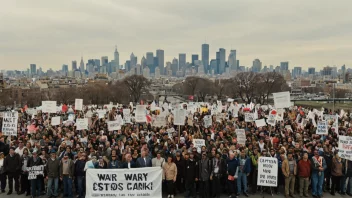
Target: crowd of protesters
(309,164)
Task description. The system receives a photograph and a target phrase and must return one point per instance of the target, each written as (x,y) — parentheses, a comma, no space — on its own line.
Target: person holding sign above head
(170,175)
(12,167)
(289,169)
(36,187)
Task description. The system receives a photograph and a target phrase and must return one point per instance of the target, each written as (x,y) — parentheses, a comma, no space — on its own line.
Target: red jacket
(304,168)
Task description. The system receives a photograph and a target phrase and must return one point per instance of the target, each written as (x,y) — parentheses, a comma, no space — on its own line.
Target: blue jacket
(132,165)
(247,165)
(315,166)
(114,164)
(232,166)
(141,163)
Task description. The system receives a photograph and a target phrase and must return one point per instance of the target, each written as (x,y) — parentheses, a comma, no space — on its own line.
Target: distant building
(74,65)
(117,58)
(150,61)
(143,62)
(311,71)
(161,61)
(222,62)
(205,57)
(64,68)
(233,61)
(133,60)
(81,65)
(104,61)
(194,59)
(182,62)
(297,72)
(214,66)
(284,66)
(174,66)
(327,71)
(257,66)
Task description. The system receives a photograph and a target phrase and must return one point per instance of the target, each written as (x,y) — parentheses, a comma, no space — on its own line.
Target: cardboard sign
(114,125)
(260,123)
(9,123)
(207,121)
(345,147)
(241,136)
(180,116)
(140,115)
(79,104)
(267,171)
(49,107)
(35,171)
(198,143)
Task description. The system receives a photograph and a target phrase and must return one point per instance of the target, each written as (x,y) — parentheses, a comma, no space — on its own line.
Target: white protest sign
(280,114)
(241,136)
(49,107)
(9,123)
(282,99)
(198,143)
(31,111)
(288,127)
(271,119)
(260,123)
(114,125)
(345,147)
(220,116)
(135,182)
(159,121)
(249,117)
(267,171)
(140,115)
(55,121)
(34,171)
(101,113)
(79,104)
(180,116)
(207,121)
(332,120)
(322,128)
(82,123)
(126,115)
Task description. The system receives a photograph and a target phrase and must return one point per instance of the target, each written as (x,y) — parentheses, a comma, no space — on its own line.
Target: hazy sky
(52,33)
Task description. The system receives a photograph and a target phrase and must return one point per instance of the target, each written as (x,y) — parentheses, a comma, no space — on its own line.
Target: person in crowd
(204,175)
(318,167)
(289,169)
(20,148)
(101,164)
(304,171)
(36,184)
(327,173)
(129,163)
(25,183)
(180,164)
(158,161)
(336,173)
(243,172)
(348,177)
(52,175)
(144,160)
(218,168)
(2,173)
(114,162)
(67,174)
(80,174)
(191,175)
(255,157)
(170,175)
(12,167)
(232,172)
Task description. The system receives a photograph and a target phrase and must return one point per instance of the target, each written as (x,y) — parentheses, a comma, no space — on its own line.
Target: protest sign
(55,121)
(79,104)
(282,99)
(126,116)
(138,182)
(101,113)
(267,171)
(280,115)
(207,121)
(271,119)
(159,121)
(288,127)
(345,147)
(322,128)
(198,143)
(49,107)
(35,171)
(114,125)
(9,123)
(249,117)
(220,116)
(260,123)
(31,111)
(140,115)
(82,123)
(180,116)
(333,121)
(241,136)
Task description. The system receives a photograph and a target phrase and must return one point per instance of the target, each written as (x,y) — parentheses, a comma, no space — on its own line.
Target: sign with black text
(9,123)
(267,171)
(34,171)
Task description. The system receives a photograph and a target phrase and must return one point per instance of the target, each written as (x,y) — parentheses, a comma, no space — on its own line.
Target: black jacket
(13,164)
(191,172)
(180,164)
(79,168)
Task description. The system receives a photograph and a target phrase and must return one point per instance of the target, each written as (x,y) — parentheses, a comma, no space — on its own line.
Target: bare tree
(136,85)
(204,87)
(220,86)
(246,83)
(190,85)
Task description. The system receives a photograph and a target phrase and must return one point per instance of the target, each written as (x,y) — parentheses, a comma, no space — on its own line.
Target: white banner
(267,171)
(241,136)
(79,104)
(198,143)
(114,125)
(282,99)
(159,121)
(140,114)
(322,128)
(9,123)
(249,117)
(345,147)
(55,121)
(82,123)
(137,182)
(49,107)
(180,116)
(260,123)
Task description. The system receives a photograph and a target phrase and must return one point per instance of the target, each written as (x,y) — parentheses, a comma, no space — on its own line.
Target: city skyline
(51,34)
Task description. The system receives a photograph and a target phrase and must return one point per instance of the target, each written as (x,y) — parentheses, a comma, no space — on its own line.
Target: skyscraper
(222,55)
(81,65)
(232,61)
(257,66)
(174,66)
(283,66)
(104,61)
(194,58)
(133,60)
(117,58)
(297,71)
(143,62)
(205,57)
(33,68)
(150,62)
(74,65)
(161,62)
(64,68)
(311,70)
(182,62)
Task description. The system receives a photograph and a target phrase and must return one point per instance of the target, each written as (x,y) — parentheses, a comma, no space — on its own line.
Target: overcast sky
(51,33)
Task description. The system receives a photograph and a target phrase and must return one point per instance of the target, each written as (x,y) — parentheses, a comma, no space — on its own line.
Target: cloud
(52,33)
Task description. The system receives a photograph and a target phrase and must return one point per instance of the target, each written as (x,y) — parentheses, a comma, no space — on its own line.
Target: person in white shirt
(158,161)
(19,149)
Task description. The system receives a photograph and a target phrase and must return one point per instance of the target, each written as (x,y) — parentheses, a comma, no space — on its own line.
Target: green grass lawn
(319,105)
